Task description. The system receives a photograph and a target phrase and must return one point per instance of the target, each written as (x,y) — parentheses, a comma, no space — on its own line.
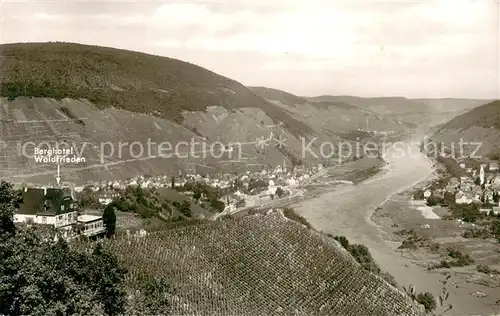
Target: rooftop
(85,218)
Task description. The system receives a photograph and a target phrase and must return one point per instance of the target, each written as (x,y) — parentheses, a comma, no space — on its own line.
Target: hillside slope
(335,117)
(479,125)
(133,81)
(93,95)
(258,265)
(447,108)
(118,144)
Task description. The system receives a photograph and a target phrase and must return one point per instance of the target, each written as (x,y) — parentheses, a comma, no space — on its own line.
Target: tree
(449,198)
(184,208)
(495,228)
(109,220)
(428,300)
(9,200)
(433,200)
(41,277)
(343,241)
(153,297)
(279,192)
(218,205)
(196,194)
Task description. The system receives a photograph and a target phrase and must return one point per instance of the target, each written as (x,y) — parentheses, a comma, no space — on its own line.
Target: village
(465,184)
(63,207)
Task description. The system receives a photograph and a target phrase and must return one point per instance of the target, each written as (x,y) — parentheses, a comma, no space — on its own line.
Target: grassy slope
(487,116)
(446,109)
(258,265)
(129,80)
(479,125)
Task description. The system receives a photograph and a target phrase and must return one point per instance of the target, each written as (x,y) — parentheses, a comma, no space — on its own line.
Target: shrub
(433,200)
(279,192)
(290,214)
(343,241)
(486,269)
(428,300)
(408,244)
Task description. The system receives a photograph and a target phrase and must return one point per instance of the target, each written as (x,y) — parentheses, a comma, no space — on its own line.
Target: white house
(463,198)
(493,166)
(488,195)
(105,201)
(50,206)
(292,182)
(92,225)
(427,194)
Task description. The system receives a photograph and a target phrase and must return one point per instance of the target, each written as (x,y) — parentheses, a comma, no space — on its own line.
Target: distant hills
(479,125)
(332,116)
(396,108)
(447,108)
(86,94)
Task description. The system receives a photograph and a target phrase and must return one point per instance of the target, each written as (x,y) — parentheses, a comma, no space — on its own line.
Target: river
(347,211)
(349,208)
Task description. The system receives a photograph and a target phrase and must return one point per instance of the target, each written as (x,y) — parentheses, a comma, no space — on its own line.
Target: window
(62,207)
(59,218)
(44,220)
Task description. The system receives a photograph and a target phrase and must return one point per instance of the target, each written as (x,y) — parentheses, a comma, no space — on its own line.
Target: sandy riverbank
(399,212)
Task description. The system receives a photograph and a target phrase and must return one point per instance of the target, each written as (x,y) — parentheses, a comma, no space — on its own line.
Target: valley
(218,198)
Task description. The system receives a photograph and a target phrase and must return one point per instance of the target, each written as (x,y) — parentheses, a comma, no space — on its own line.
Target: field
(257,265)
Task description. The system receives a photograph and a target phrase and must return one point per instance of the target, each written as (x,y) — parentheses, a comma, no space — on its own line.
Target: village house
(495,210)
(92,225)
(427,194)
(493,166)
(463,198)
(48,206)
(488,195)
(495,182)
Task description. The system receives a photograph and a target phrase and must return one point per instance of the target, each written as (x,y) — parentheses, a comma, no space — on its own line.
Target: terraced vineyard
(257,265)
(26,123)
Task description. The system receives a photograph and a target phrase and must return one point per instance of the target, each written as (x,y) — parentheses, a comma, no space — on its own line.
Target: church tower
(481,175)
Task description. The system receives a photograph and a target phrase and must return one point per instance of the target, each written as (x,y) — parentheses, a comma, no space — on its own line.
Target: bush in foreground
(40,276)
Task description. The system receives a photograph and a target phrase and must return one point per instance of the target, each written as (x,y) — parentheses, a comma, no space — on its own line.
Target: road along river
(347,211)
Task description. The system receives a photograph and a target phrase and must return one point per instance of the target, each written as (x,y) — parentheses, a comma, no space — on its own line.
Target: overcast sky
(306,47)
